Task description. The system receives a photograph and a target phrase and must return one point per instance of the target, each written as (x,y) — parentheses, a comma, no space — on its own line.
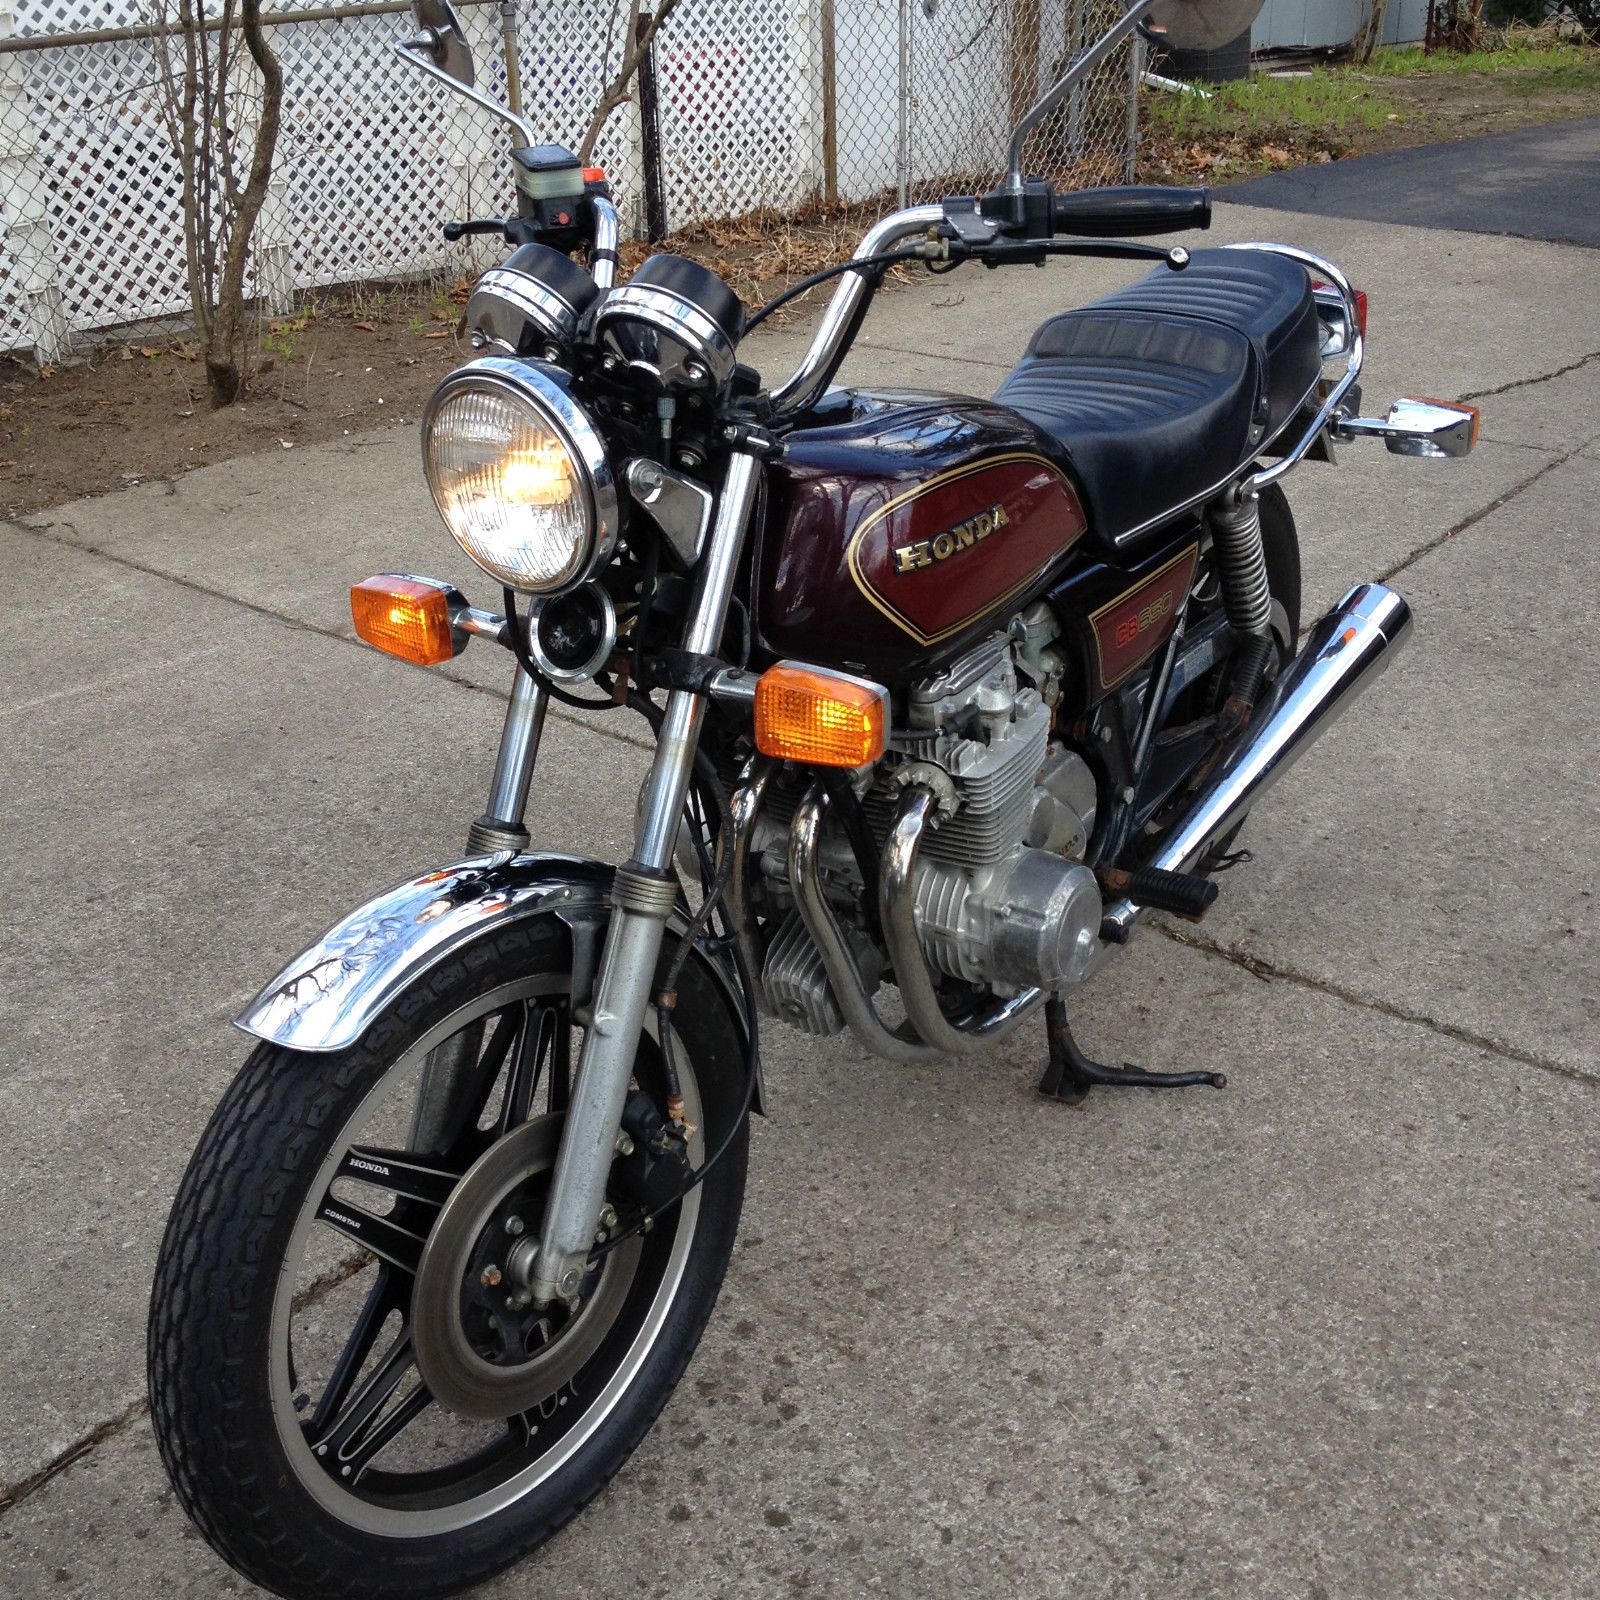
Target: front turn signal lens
(820,717)
(405,617)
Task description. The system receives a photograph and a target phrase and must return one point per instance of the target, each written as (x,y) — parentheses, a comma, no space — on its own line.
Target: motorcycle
(946,694)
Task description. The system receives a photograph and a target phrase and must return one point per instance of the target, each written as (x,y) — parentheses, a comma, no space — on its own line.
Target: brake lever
(1007,252)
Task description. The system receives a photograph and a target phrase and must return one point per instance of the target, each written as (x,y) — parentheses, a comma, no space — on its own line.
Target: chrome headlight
(519,475)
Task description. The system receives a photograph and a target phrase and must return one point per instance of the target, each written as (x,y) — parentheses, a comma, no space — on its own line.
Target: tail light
(1332,315)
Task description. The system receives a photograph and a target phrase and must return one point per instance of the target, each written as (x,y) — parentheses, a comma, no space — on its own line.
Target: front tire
(315,1460)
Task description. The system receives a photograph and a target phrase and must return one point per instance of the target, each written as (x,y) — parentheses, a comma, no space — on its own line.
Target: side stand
(1071,1074)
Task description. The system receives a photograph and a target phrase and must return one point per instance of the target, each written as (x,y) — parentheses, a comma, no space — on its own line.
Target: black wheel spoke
(474,1089)
(416,1177)
(382,1299)
(339,1443)
(542,1026)
(400,1246)
(385,1431)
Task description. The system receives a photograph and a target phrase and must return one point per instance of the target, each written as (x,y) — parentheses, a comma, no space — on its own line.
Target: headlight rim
(544,390)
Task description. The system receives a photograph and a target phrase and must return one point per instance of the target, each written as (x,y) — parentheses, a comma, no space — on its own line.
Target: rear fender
(331,993)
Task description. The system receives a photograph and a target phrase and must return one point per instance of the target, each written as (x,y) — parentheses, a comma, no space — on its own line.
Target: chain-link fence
(746,105)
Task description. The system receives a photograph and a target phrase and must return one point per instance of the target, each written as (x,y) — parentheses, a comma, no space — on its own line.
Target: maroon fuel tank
(905,529)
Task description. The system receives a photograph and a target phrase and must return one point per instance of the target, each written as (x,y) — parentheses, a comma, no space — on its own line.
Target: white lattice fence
(762,103)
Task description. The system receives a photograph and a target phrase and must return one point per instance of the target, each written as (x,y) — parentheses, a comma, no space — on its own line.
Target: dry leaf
(366,327)
(436,335)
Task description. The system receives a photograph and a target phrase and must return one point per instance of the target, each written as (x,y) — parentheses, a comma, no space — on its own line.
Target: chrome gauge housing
(520,475)
(530,305)
(675,321)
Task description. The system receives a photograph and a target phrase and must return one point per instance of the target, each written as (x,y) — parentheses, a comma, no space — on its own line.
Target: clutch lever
(495,225)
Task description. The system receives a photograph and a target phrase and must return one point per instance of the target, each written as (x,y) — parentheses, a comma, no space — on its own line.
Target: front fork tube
(646,889)
(501,827)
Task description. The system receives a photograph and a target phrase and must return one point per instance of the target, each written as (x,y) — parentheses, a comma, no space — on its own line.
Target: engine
(1002,898)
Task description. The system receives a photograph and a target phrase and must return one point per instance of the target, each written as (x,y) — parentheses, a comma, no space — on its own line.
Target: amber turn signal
(404,617)
(823,718)
(1475,412)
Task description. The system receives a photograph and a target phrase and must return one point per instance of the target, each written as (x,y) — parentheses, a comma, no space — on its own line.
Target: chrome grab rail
(804,387)
(1330,406)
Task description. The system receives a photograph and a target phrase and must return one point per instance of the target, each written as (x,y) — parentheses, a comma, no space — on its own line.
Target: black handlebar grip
(1128,210)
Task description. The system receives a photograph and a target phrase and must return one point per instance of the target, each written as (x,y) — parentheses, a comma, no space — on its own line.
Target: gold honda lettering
(926,552)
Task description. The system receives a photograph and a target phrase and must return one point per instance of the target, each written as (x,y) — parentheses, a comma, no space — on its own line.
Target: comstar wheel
(350,1387)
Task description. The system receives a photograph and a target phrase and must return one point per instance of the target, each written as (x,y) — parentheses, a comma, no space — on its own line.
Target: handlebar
(1129,210)
(1092,213)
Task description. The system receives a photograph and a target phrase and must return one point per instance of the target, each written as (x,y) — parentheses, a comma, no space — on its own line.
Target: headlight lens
(519,476)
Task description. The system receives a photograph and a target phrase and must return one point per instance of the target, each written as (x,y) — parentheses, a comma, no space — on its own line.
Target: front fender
(331,993)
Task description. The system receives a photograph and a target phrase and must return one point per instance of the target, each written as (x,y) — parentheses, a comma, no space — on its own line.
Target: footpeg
(1183,894)
(1071,1074)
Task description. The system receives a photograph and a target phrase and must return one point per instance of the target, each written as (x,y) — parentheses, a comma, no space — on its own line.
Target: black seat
(1159,393)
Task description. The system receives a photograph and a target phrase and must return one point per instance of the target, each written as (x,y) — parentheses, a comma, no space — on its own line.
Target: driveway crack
(12,1495)
(1533,383)
(1271,971)
(1429,546)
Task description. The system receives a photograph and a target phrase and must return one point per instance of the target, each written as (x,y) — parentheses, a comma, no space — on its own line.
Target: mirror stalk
(1081,65)
(420,54)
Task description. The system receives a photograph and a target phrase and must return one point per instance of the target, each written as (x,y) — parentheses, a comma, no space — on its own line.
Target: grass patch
(1558,65)
(1326,105)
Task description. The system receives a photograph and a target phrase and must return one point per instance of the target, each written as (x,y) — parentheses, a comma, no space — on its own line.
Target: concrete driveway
(1331,1332)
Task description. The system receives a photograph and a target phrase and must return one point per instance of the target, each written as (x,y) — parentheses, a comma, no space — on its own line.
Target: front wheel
(350,1391)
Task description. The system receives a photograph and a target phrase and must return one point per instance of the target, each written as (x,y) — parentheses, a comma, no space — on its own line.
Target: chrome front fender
(331,993)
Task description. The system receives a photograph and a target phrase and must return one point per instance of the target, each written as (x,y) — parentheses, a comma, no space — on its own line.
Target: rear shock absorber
(1241,559)
(1242,562)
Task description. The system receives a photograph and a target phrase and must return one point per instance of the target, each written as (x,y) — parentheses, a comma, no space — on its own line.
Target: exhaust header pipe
(1345,651)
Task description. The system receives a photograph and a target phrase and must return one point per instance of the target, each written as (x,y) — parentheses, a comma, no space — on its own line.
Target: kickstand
(1071,1074)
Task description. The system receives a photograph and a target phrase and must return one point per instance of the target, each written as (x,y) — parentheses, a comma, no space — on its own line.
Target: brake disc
(483,1349)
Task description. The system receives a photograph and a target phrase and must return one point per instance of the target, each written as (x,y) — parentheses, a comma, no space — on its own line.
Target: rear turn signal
(823,718)
(404,617)
(1474,412)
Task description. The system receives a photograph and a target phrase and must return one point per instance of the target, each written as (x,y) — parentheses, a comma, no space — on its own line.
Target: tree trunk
(223,371)
(616,92)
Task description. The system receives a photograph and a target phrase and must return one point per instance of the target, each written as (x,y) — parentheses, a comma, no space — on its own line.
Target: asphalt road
(1534,183)
(1330,1332)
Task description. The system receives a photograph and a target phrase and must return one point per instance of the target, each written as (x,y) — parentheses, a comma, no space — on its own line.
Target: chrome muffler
(1344,652)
